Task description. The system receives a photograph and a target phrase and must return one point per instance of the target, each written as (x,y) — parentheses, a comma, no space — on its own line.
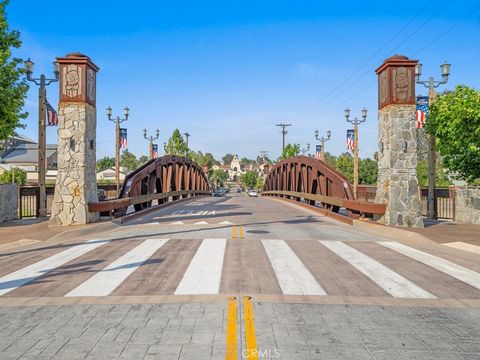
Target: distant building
(235,169)
(109,174)
(22,152)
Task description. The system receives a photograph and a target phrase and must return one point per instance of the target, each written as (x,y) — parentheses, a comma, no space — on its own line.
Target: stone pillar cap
(77,58)
(396,60)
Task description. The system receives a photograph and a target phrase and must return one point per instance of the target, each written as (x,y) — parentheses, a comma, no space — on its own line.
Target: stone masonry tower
(76,183)
(397,184)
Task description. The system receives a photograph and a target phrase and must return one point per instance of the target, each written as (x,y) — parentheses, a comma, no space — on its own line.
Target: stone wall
(467,204)
(397,166)
(8,202)
(76,184)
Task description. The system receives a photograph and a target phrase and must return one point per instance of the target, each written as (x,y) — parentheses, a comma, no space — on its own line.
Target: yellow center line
(234,232)
(242,232)
(231,351)
(250,339)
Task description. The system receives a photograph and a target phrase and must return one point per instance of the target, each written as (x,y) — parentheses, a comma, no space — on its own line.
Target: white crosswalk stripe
(35,270)
(459,272)
(292,275)
(108,279)
(460,245)
(390,281)
(204,274)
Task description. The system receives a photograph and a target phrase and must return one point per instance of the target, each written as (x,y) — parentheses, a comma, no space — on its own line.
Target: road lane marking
(204,274)
(108,279)
(27,274)
(177,223)
(201,223)
(292,275)
(390,281)
(226,222)
(231,350)
(234,232)
(464,246)
(250,338)
(242,233)
(458,272)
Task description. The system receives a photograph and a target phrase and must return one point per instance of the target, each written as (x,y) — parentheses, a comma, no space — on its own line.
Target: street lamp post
(355,123)
(42,82)
(431,84)
(117,122)
(150,141)
(305,149)
(323,140)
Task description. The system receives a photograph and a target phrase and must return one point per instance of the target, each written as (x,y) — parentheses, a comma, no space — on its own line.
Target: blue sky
(228,71)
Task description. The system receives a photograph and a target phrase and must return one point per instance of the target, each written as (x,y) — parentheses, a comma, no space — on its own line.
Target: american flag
(318,152)
(123,138)
(422,110)
(155,150)
(52,118)
(350,140)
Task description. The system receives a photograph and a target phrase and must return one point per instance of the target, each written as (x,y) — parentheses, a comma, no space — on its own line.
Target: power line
(344,82)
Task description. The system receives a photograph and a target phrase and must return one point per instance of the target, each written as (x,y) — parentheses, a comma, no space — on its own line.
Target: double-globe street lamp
(150,141)
(355,123)
(117,122)
(323,140)
(42,82)
(431,84)
(304,150)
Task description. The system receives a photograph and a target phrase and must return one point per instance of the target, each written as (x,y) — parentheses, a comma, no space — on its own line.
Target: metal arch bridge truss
(161,180)
(313,181)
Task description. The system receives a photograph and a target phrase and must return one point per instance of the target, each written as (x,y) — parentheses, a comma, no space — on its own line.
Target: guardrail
(355,207)
(115,204)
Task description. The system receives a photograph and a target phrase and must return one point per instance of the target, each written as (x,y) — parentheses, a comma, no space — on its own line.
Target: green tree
(227,159)
(20,176)
(367,171)
(201,159)
(454,120)
(13,88)
(129,160)
(249,179)
(142,160)
(176,145)
(290,150)
(218,177)
(344,164)
(245,161)
(330,159)
(105,163)
(259,184)
(422,174)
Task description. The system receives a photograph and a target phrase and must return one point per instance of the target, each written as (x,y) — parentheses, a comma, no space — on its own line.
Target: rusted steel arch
(163,175)
(302,174)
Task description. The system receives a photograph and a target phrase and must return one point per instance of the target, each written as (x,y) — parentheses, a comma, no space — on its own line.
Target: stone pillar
(397,184)
(76,183)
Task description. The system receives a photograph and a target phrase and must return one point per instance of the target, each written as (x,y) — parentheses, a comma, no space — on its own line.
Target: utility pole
(323,140)
(284,132)
(431,84)
(187,135)
(42,81)
(117,122)
(355,123)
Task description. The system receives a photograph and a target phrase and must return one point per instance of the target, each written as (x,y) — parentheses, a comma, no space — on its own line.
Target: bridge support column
(397,184)
(76,183)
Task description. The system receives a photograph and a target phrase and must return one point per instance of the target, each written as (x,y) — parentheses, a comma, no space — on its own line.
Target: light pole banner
(123,138)
(422,110)
(155,150)
(318,152)
(350,139)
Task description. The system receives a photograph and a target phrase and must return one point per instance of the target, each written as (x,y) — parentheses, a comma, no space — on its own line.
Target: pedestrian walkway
(161,266)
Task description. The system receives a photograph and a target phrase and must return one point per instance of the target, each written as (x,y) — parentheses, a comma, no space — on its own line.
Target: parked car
(218,193)
(239,190)
(252,193)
